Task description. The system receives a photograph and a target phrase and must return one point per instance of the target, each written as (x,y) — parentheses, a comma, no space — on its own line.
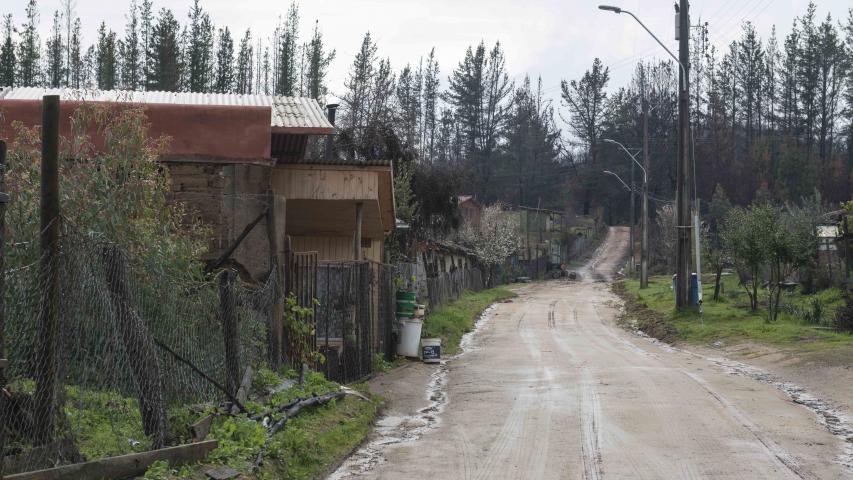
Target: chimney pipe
(330,115)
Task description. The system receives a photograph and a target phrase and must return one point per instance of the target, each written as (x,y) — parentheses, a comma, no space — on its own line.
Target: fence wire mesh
(125,339)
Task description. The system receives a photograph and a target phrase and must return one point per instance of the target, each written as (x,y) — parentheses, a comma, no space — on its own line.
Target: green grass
(449,322)
(730,318)
(106,424)
(310,443)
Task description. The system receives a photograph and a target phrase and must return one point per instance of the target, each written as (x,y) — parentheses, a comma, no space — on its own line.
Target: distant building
(470,210)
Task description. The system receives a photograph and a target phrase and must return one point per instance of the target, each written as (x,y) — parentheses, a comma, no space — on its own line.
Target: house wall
(337,248)
(325,184)
(471,214)
(227,198)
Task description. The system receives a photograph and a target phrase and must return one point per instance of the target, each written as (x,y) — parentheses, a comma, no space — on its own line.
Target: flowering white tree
(495,240)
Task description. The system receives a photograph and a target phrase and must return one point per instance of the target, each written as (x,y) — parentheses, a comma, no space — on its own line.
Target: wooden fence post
(274,326)
(139,347)
(230,333)
(47,328)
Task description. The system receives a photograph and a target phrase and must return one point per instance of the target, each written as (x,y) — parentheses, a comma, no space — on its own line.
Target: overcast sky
(557,39)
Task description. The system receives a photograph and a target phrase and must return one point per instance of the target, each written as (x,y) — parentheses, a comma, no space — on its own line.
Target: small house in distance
(470,210)
(241,163)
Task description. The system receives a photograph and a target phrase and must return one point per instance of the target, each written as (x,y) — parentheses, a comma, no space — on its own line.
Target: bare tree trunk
(717,277)
(139,348)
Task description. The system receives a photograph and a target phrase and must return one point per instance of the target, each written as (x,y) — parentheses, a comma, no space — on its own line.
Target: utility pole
(644,248)
(682,246)
(632,236)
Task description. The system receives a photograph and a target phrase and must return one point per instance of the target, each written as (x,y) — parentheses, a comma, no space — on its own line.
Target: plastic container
(693,295)
(420,310)
(406,304)
(431,350)
(410,336)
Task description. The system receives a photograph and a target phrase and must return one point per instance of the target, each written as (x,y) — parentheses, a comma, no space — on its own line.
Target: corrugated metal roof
(342,161)
(287,112)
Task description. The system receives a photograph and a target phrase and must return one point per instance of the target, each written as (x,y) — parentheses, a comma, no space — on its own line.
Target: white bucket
(431,350)
(410,336)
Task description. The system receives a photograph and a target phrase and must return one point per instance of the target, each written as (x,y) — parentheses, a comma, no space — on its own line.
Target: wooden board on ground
(201,428)
(124,466)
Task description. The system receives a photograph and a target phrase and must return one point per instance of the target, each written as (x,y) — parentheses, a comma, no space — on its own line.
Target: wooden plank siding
(326,184)
(331,249)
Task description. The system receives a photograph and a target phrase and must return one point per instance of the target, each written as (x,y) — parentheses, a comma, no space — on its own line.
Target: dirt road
(551,388)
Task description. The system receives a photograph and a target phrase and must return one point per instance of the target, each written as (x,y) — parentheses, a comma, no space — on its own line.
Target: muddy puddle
(392,429)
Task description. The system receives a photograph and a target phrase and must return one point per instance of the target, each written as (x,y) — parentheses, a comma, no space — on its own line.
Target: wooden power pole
(644,247)
(682,246)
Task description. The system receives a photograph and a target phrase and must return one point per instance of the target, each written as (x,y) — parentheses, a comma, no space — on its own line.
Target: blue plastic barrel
(694,288)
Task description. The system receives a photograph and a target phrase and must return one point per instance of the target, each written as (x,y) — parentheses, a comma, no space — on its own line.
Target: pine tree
(76,62)
(131,58)
(243,75)
(106,60)
(55,65)
(409,87)
(478,88)
(585,99)
(808,75)
(771,80)
(288,58)
(146,28)
(358,84)
(748,73)
(430,105)
(7,54)
(789,89)
(90,66)
(831,74)
(265,69)
(164,53)
(68,15)
(318,64)
(531,148)
(199,50)
(224,63)
(29,49)
(848,111)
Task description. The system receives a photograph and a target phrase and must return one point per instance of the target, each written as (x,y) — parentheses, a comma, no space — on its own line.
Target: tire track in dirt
(784,460)
(590,414)
(508,435)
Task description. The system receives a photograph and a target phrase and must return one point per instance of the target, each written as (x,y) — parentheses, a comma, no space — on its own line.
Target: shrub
(844,316)
(813,313)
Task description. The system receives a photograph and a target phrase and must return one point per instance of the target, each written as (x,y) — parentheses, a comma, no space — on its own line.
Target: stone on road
(554,389)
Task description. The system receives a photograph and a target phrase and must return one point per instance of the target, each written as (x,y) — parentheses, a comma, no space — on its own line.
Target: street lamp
(633,156)
(682,184)
(620,180)
(610,8)
(645,206)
